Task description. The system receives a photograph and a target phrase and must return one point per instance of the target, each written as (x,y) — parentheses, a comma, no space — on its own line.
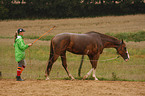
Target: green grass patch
(136,37)
(127,36)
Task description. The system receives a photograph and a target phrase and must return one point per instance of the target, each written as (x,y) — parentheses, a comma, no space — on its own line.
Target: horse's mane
(105,37)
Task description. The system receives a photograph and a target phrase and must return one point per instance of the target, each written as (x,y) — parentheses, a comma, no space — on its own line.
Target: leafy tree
(138,1)
(27,2)
(101,2)
(3,10)
(6,3)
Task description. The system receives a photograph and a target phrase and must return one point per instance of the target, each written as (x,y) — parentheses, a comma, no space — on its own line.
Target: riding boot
(19,78)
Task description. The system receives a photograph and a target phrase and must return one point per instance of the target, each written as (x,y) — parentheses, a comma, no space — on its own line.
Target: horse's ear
(122,41)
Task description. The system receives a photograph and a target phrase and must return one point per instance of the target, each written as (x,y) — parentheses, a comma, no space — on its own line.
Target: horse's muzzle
(126,59)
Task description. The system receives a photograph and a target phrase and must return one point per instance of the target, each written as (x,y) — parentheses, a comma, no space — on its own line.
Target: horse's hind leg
(52,59)
(86,76)
(94,76)
(63,58)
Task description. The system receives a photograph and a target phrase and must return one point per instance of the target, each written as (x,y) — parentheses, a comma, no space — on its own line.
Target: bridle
(126,52)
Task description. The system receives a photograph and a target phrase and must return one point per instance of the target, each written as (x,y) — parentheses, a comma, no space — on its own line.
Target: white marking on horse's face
(127,56)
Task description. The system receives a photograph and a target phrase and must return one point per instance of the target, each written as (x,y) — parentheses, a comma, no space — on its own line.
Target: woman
(20,48)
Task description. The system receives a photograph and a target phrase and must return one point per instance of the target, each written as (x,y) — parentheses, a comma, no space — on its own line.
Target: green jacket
(20,48)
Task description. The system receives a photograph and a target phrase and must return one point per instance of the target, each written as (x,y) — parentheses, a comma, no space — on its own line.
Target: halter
(120,45)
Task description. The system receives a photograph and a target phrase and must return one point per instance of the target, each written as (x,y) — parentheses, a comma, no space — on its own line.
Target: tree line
(31,9)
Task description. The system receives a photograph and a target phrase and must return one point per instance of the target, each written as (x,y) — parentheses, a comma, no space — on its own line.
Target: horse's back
(70,36)
(77,39)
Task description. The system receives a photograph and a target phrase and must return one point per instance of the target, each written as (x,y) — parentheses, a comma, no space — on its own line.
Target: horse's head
(121,49)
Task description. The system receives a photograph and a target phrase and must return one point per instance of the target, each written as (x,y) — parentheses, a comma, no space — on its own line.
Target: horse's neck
(110,42)
(107,41)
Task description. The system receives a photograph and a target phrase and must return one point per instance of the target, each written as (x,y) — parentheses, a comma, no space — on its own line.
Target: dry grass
(113,24)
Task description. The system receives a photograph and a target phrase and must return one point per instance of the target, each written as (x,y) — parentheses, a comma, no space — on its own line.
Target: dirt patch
(10,87)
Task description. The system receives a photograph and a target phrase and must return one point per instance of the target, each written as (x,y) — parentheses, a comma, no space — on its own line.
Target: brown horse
(90,44)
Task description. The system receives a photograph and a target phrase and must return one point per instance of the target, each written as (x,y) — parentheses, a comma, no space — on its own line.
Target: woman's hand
(30,44)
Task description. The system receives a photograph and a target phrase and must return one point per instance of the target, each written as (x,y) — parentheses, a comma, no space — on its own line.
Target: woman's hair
(16,34)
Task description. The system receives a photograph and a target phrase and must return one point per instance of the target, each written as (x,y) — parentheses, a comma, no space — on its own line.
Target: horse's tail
(51,50)
(50,59)
(79,70)
(16,34)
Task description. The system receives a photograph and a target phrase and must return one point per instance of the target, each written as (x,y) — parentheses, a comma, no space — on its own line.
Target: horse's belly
(76,50)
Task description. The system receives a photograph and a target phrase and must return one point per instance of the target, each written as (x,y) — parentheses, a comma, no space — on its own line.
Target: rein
(107,59)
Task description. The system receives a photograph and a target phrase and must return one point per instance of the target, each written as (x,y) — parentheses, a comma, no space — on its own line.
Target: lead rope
(107,59)
(92,60)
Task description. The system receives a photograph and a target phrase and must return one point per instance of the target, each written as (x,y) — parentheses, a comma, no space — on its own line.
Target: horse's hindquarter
(60,43)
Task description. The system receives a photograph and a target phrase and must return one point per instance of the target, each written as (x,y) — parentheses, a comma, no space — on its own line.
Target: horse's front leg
(63,58)
(93,60)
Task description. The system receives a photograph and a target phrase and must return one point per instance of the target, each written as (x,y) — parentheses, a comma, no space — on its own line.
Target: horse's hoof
(96,79)
(84,78)
(73,79)
(47,78)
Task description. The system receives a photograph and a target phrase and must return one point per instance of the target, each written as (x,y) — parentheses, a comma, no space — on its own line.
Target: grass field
(37,55)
